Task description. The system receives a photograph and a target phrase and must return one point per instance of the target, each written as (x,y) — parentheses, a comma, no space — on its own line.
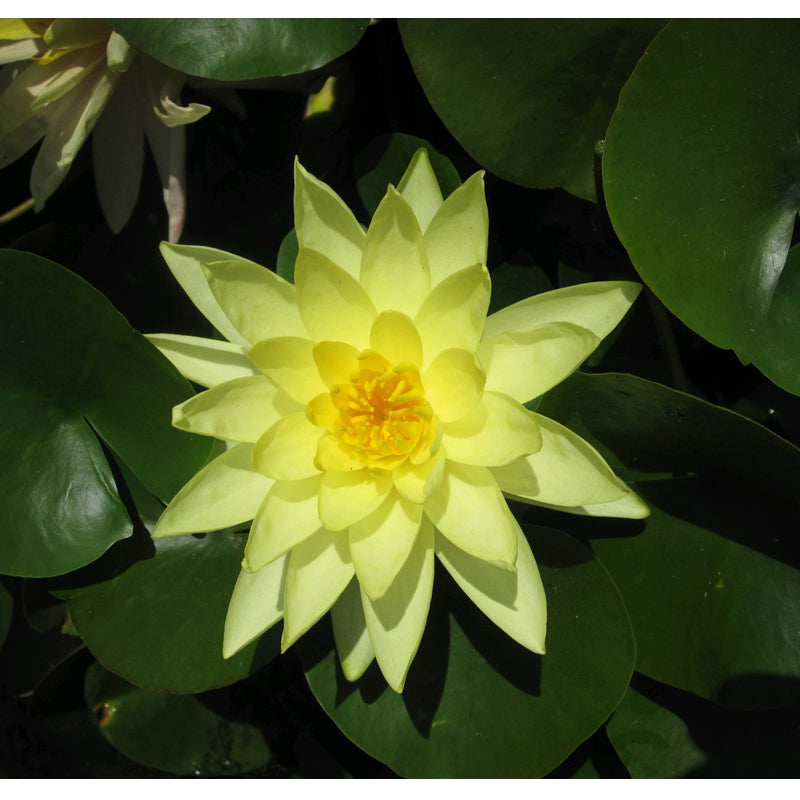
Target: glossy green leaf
(6,609)
(159,624)
(239,49)
(476,704)
(72,369)
(711,578)
(512,283)
(385,161)
(702,176)
(527,99)
(175,733)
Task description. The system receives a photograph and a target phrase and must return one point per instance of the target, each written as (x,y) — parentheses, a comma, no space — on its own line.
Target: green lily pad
(711,578)
(159,623)
(6,609)
(476,704)
(528,99)
(239,49)
(73,370)
(287,255)
(174,733)
(702,178)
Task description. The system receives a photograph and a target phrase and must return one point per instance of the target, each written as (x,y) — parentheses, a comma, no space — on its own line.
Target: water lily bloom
(78,76)
(376,418)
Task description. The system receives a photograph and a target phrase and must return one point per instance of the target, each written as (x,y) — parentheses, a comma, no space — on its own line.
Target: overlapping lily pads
(476,704)
(72,369)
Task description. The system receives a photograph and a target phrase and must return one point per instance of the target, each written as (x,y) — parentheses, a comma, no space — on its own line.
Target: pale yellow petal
(322,412)
(347,497)
(226,492)
(458,235)
(417,482)
(332,303)
(598,306)
(496,431)
(241,410)
(396,338)
(453,384)
(514,601)
(567,471)
(336,362)
(256,605)
(286,451)
(397,620)
(420,189)
(288,361)
(350,633)
(333,455)
(454,312)
(324,223)
(287,516)
(204,361)
(629,506)
(319,571)
(472,513)
(20,50)
(394,268)
(381,543)
(17,28)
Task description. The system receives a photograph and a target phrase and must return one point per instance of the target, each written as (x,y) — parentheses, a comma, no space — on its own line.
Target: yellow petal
(241,410)
(335,456)
(332,303)
(629,506)
(259,303)
(471,512)
(420,189)
(380,544)
(396,338)
(525,365)
(347,497)
(23,28)
(226,492)
(319,571)
(205,361)
(514,601)
(453,384)
(458,235)
(397,620)
(350,633)
(336,362)
(567,471)
(288,361)
(322,412)
(324,223)
(417,482)
(286,451)
(496,431)
(597,306)
(454,312)
(287,516)
(256,605)
(394,268)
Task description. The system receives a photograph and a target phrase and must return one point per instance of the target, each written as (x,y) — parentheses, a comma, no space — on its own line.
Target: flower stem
(11,215)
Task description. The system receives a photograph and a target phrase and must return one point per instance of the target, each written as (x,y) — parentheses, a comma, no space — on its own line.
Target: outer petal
(324,223)
(525,365)
(286,451)
(256,605)
(19,50)
(288,361)
(496,431)
(287,517)
(394,268)
(396,338)
(420,189)
(629,506)
(347,497)
(22,138)
(459,233)
(472,513)
(204,361)
(514,601)
(417,482)
(350,633)
(598,306)
(240,410)
(453,384)
(397,620)
(227,491)
(259,303)
(567,471)
(332,303)
(319,571)
(381,543)
(454,312)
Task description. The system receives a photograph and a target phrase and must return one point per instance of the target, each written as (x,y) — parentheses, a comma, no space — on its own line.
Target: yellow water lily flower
(376,418)
(68,77)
